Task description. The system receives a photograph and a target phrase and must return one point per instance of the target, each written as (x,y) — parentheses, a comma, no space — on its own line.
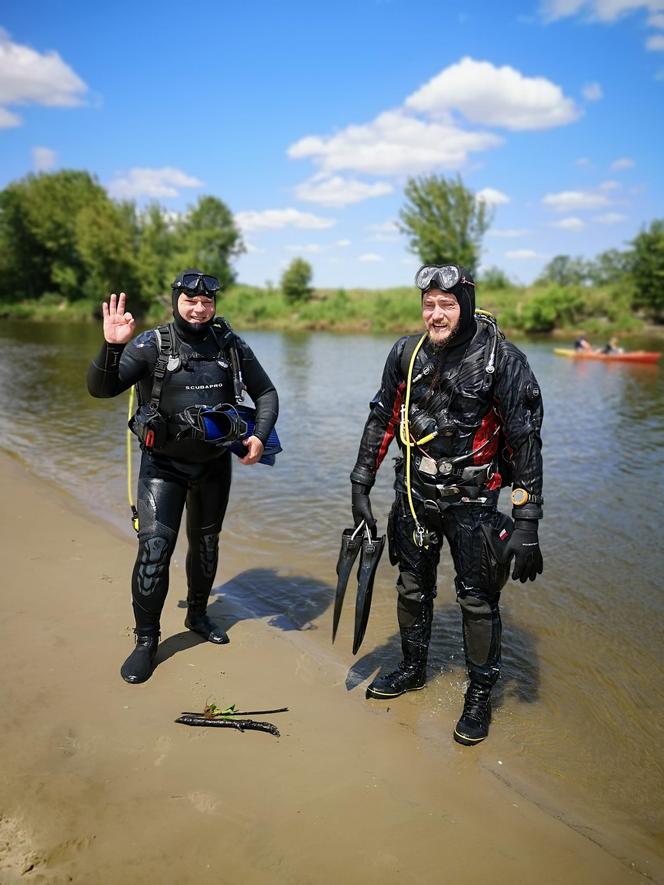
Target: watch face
(519,497)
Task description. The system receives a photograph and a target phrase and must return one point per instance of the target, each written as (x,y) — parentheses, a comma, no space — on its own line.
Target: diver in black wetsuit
(468,411)
(204,365)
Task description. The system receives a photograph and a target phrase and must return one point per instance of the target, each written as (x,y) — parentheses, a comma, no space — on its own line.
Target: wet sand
(99,785)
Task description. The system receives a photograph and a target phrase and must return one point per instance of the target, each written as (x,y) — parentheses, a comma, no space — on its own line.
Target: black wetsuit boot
(415,627)
(198,621)
(473,726)
(139,665)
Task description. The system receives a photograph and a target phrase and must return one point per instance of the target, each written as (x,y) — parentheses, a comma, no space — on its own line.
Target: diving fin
(272,444)
(372,550)
(351,543)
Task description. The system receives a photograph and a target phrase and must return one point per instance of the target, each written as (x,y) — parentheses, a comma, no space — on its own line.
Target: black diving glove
(362,507)
(524,544)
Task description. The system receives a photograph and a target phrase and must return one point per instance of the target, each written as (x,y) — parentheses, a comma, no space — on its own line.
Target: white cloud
(571,223)
(154,183)
(251,249)
(494,96)
(610,218)
(8,120)
(275,219)
(370,257)
(656,21)
(339,191)
(343,244)
(655,43)
(43,158)
(384,227)
(609,185)
(601,10)
(384,232)
(309,248)
(492,197)
(521,254)
(621,163)
(31,77)
(566,201)
(393,144)
(582,161)
(592,92)
(508,233)
(400,141)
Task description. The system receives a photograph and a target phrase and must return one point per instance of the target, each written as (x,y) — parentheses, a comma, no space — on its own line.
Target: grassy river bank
(555,310)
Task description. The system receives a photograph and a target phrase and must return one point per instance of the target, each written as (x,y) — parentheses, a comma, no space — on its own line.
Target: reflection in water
(579,705)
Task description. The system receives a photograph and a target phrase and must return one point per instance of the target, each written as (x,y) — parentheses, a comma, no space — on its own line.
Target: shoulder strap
(165,339)
(221,328)
(407,353)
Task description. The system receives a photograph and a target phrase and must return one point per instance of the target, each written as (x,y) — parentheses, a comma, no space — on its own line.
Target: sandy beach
(99,785)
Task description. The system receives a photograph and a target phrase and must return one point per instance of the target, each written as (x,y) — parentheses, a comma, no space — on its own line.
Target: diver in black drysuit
(180,470)
(479,396)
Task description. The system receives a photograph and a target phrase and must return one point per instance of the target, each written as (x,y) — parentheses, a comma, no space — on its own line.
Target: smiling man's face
(441,314)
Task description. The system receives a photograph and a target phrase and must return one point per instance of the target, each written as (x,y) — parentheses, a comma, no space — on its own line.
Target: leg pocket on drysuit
(496,532)
(392,550)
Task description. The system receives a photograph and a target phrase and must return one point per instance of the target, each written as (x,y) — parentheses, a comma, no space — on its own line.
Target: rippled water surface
(579,707)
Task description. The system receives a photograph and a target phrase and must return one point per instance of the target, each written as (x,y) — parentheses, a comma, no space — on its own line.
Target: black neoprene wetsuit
(182,470)
(496,415)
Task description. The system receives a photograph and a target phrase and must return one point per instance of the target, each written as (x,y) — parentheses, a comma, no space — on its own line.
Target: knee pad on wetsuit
(154,555)
(208,554)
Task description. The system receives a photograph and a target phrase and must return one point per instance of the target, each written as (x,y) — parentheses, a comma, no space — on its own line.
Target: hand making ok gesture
(118,325)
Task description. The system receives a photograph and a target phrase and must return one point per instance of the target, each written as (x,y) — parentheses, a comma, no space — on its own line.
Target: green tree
(494,278)
(563,270)
(106,243)
(296,280)
(609,267)
(648,269)
(156,248)
(39,231)
(207,237)
(444,221)
(551,307)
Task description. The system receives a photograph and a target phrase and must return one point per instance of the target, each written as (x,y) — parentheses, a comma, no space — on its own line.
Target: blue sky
(307,119)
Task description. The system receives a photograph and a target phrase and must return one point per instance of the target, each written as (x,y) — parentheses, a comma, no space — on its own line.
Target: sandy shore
(99,785)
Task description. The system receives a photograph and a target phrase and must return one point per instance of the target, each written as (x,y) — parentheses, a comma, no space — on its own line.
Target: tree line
(63,238)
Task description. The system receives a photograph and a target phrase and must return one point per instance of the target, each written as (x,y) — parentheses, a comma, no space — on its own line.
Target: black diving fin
(372,550)
(351,543)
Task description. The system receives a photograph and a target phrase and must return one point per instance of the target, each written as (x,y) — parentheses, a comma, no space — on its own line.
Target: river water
(578,713)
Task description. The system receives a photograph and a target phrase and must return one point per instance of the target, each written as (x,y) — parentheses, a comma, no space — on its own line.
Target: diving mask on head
(444,277)
(196,282)
(193,283)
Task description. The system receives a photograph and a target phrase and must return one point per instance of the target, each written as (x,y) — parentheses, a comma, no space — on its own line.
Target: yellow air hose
(134,511)
(405,438)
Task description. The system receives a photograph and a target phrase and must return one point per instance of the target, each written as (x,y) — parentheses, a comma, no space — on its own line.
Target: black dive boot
(410,675)
(198,621)
(473,726)
(139,665)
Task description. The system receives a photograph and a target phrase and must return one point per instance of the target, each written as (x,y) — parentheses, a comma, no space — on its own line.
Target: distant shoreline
(542,313)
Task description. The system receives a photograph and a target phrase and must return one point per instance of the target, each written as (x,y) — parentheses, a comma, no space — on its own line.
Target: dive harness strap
(408,357)
(166,341)
(226,340)
(484,317)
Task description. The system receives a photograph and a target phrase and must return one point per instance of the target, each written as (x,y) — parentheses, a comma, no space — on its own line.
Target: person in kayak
(582,343)
(188,375)
(467,411)
(612,347)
